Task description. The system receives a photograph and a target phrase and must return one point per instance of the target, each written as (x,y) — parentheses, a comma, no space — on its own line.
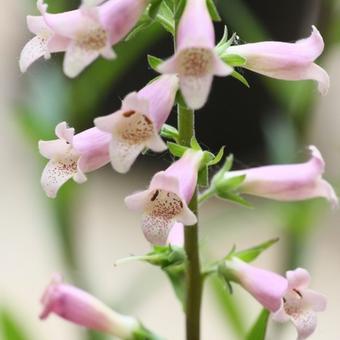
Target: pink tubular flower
(195,60)
(166,200)
(291,182)
(300,304)
(83,34)
(79,307)
(136,125)
(71,156)
(288,61)
(266,287)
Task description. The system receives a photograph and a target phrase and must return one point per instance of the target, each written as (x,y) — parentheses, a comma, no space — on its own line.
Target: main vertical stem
(186,128)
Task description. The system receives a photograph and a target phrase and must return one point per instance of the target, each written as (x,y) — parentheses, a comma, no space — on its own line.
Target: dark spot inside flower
(297,292)
(128,114)
(284,300)
(154,195)
(147,120)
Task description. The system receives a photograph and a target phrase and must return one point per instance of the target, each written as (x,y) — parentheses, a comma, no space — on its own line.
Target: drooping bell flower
(267,287)
(83,34)
(288,61)
(166,200)
(290,182)
(135,126)
(300,304)
(71,156)
(81,308)
(195,60)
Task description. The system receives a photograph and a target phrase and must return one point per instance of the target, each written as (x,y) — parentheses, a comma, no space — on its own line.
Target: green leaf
(218,157)
(259,329)
(250,254)
(154,8)
(194,144)
(229,184)
(10,327)
(224,44)
(166,18)
(154,62)
(231,308)
(176,149)
(213,10)
(228,163)
(169,132)
(240,78)
(179,8)
(176,275)
(224,37)
(233,59)
(234,198)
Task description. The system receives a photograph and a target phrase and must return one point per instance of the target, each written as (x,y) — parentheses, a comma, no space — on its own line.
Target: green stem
(206,195)
(186,128)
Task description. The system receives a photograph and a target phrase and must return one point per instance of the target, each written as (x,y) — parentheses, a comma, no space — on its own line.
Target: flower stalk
(186,128)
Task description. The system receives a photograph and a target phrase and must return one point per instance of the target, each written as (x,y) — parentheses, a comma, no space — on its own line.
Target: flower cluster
(118,138)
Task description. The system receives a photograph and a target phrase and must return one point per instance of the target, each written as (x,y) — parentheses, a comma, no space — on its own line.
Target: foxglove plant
(169,206)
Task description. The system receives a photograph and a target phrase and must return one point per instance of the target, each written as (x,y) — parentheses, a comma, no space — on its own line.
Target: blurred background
(87,228)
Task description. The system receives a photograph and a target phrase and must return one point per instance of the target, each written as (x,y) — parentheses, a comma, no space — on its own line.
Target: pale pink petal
(32,51)
(67,24)
(133,102)
(123,154)
(288,61)
(108,53)
(187,217)
(315,300)
(91,141)
(37,25)
(77,59)
(156,144)
(156,228)
(291,182)
(55,42)
(280,315)
(160,95)
(305,323)
(138,201)
(80,177)
(196,90)
(165,182)
(53,148)
(195,28)
(169,66)
(56,173)
(64,132)
(298,279)
(120,16)
(185,170)
(79,307)
(266,287)
(221,68)
(176,235)
(109,122)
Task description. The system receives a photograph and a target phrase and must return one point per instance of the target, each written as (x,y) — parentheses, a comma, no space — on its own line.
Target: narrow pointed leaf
(259,329)
(249,255)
